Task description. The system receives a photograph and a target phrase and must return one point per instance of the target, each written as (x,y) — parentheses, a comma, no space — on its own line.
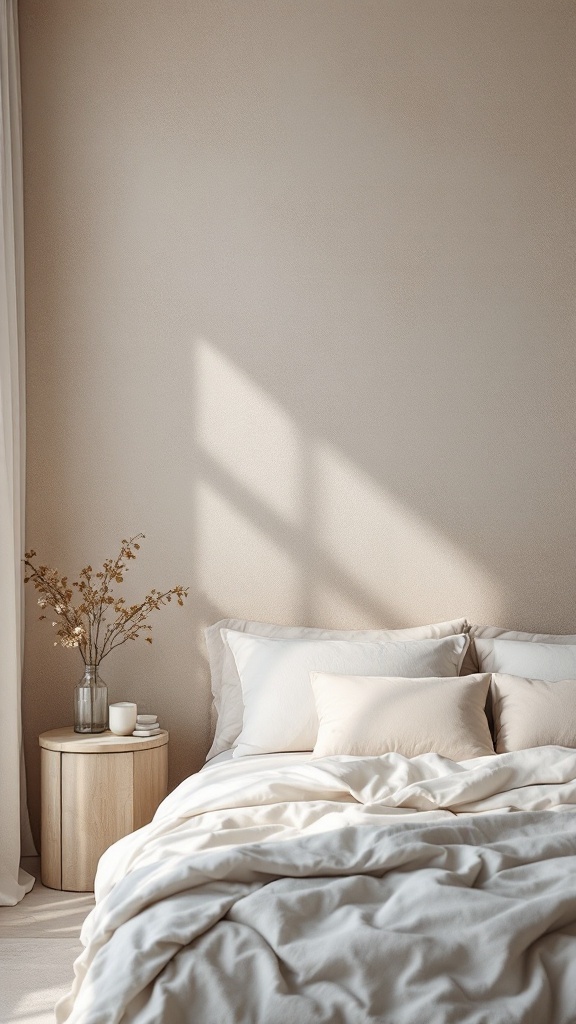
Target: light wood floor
(39,941)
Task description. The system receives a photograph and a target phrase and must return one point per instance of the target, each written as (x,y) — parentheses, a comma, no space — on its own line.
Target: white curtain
(14,882)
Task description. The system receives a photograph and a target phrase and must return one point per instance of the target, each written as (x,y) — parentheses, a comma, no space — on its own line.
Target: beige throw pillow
(533,713)
(366,716)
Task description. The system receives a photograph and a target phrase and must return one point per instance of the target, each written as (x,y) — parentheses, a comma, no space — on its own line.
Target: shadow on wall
(284,514)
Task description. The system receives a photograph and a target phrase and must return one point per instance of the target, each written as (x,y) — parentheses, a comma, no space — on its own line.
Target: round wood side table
(95,789)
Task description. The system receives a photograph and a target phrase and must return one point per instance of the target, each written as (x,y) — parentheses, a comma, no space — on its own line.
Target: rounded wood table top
(98,742)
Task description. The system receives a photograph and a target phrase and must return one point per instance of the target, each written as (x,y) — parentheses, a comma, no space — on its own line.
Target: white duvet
(342,891)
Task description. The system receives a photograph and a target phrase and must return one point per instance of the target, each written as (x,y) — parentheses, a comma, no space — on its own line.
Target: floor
(39,941)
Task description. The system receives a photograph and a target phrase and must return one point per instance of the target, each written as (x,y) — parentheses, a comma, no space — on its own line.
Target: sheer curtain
(14,882)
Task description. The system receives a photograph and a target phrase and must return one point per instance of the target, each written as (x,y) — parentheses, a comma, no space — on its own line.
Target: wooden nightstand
(96,788)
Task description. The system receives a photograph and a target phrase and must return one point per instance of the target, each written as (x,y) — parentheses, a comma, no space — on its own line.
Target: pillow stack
(349,651)
(279,707)
(533,686)
(371,692)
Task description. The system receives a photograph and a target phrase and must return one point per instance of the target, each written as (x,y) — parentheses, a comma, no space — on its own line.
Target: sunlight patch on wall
(289,529)
(399,559)
(246,432)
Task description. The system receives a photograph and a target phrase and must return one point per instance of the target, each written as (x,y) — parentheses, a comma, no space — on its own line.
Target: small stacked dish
(146,725)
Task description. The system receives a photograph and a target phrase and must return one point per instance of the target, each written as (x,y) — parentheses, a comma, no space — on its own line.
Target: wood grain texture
(150,783)
(51,818)
(98,743)
(96,812)
(95,790)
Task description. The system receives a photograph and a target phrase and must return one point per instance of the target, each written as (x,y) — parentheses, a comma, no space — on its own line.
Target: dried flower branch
(100,622)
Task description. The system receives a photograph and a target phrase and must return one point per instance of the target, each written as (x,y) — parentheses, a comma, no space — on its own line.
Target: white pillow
(225,681)
(367,716)
(533,712)
(279,709)
(529,660)
(470,663)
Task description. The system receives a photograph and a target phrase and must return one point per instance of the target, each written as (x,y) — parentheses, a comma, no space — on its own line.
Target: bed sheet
(279,760)
(284,890)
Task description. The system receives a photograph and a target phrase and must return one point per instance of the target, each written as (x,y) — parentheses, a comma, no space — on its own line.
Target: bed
(322,886)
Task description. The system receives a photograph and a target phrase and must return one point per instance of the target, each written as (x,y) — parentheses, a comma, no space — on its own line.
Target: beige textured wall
(300,307)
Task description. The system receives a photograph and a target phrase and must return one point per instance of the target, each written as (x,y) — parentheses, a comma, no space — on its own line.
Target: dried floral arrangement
(90,616)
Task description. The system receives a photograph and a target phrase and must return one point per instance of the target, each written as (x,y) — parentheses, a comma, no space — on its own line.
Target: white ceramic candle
(122,717)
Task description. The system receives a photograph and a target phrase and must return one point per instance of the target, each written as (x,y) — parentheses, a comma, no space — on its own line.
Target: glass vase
(90,702)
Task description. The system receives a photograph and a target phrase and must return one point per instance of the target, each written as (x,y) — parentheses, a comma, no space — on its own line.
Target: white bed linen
(281,759)
(343,889)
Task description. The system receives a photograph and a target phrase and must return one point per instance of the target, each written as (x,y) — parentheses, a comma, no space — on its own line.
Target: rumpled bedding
(342,891)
